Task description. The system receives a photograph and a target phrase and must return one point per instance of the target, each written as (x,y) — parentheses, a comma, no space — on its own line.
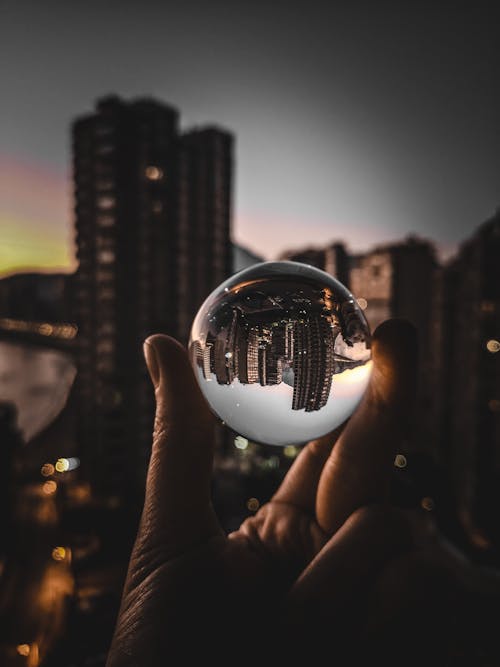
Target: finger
(359,467)
(178,487)
(329,595)
(300,484)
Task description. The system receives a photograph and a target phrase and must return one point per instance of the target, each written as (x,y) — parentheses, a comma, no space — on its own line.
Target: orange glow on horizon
(35,219)
(25,248)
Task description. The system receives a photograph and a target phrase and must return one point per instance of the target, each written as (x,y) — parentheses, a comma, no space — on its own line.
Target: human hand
(305,560)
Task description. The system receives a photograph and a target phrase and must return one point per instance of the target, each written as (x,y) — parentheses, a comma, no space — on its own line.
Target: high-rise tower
(152,213)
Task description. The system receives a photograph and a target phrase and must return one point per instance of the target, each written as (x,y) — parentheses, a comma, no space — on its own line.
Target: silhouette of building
(400,280)
(37,297)
(153,214)
(470,353)
(396,280)
(204,250)
(12,442)
(333,259)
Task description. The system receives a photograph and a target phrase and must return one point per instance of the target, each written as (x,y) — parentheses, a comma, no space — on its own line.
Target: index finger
(359,467)
(300,484)
(177,504)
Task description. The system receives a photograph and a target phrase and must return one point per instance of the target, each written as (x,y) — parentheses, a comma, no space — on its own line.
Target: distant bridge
(54,335)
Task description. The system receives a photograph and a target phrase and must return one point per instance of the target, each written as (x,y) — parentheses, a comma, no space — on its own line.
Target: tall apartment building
(470,353)
(333,259)
(153,215)
(205,254)
(395,280)
(400,280)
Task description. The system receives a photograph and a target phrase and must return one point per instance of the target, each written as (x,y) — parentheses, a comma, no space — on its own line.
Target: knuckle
(160,431)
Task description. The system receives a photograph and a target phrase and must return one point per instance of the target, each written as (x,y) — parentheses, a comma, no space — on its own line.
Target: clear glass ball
(281,351)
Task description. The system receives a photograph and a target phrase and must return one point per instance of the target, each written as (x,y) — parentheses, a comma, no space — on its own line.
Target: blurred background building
(153,223)
(37,297)
(454,445)
(333,259)
(470,376)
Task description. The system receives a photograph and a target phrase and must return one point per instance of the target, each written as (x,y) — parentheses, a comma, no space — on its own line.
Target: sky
(359,122)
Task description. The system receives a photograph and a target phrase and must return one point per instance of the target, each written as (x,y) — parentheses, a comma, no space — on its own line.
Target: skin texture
(319,567)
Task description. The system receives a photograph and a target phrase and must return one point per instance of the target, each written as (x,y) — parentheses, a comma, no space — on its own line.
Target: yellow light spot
(493,346)
(49,487)
(290,451)
(253,504)
(45,329)
(273,462)
(240,442)
(68,331)
(59,553)
(62,465)
(427,503)
(400,461)
(362,303)
(487,307)
(47,469)
(113,502)
(79,493)
(154,173)
(24,649)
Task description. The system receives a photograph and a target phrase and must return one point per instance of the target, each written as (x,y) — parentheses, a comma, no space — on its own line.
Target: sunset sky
(364,122)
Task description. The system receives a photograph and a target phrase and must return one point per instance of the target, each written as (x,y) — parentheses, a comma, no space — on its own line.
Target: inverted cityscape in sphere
(281,351)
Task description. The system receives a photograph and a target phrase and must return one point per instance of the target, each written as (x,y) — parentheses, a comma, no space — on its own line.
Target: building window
(104,275)
(105,365)
(103,242)
(105,184)
(103,169)
(105,221)
(494,405)
(105,203)
(106,257)
(106,329)
(154,173)
(104,149)
(107,294)
(105,346)
(488,307)
(103,130)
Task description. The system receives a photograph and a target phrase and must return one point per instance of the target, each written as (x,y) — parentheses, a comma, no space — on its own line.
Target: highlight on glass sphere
(282,352)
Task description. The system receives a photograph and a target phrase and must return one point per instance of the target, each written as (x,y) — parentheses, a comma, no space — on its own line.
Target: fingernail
(152,362)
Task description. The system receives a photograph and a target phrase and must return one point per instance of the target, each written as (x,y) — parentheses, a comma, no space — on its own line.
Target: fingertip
(163,352)
(180,468)
(176,384)
(395,337)
(151,359)
(164,343)
(395,358)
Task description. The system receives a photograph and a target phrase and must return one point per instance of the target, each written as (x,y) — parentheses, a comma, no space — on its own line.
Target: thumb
(359,467)
(177,506)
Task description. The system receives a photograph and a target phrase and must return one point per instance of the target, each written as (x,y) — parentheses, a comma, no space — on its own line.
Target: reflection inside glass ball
(281,351)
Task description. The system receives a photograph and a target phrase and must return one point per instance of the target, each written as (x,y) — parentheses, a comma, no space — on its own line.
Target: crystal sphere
(281,351)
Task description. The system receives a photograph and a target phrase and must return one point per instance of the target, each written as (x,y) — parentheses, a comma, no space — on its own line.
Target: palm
(292,550)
